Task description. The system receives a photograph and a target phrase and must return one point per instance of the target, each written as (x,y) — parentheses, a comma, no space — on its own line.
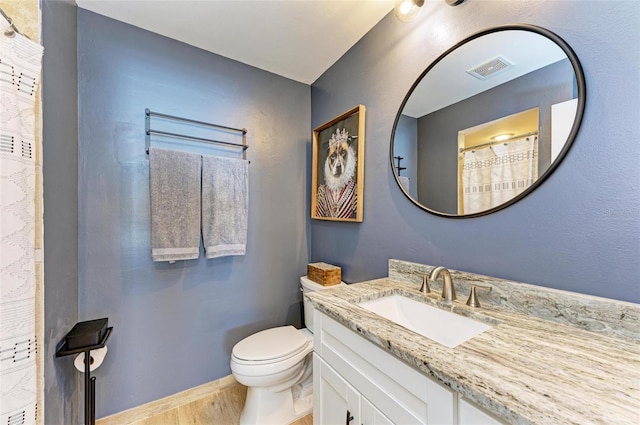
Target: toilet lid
(270,344)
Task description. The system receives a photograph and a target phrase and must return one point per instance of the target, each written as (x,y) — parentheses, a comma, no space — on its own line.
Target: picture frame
(337,176)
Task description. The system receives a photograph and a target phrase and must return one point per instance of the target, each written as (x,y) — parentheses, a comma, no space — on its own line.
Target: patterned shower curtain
(20,64)
(493,175)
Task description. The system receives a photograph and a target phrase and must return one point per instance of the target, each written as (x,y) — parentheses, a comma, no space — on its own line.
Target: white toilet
(275,365)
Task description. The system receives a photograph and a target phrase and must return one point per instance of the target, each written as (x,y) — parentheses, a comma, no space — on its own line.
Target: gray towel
(404,181)
(174,185)
(225,205)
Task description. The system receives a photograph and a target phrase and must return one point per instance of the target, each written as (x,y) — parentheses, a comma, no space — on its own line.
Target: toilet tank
(307,285)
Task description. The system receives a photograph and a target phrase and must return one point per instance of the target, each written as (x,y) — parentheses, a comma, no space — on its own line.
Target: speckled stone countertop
(525,369)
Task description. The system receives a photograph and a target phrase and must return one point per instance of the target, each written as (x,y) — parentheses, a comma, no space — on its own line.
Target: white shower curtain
(20,64)
(493,175)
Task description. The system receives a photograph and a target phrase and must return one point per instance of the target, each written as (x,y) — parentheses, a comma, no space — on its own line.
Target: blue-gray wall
(175,325)
(60,180)
(579,231)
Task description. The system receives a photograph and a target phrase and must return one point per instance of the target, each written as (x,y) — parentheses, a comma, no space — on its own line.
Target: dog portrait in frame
(338,167)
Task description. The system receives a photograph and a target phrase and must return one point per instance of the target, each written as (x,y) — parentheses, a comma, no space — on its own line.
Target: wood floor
(221,408)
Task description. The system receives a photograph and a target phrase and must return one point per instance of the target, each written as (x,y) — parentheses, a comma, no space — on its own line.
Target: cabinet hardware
(349,417)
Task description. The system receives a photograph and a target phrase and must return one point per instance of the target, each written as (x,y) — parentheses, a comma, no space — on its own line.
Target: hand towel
(174,185)
(404,181)
(225,205)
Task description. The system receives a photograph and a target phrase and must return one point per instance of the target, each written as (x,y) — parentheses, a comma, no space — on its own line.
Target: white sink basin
(447,328)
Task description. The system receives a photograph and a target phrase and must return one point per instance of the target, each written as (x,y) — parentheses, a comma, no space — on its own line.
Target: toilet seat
(305,349)
(287,342)
(271,346)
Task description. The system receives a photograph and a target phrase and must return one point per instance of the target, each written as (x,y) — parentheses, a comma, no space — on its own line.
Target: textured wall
(60,172)
(175,325)
(579,231)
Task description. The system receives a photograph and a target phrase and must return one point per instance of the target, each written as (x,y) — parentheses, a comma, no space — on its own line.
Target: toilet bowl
(275,366)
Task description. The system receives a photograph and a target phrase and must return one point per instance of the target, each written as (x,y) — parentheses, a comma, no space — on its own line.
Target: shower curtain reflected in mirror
(495,174)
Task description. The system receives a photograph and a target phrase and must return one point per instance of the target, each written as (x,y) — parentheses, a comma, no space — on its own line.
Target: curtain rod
(12,30)
(510,139)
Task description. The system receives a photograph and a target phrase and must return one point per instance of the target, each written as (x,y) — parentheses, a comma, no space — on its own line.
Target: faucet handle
(425,282)
(473,300)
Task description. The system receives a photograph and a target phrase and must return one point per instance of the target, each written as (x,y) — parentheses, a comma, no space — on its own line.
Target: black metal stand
(89,381)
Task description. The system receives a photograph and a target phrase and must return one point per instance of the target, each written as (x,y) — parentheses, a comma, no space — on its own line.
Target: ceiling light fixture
(407,10)
(502,137)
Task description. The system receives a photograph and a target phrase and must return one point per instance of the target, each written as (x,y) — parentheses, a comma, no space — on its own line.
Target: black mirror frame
(582,98)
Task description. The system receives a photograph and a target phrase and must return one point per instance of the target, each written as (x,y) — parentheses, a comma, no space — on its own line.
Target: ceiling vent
(490,68)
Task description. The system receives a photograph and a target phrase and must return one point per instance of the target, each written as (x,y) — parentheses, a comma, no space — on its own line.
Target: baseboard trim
(156,407)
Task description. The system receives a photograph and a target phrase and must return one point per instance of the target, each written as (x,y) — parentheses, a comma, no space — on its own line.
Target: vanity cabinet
(371,383)
(339,402)
(357,383)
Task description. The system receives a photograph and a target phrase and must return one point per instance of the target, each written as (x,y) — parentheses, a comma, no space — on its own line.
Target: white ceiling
(448,82)
(297,39)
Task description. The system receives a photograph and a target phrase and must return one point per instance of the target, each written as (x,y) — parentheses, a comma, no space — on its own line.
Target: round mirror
(488,121)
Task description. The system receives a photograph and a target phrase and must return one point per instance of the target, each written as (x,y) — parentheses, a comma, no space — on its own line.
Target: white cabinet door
(335,402)
(372,416)
(470,414)
(339,402)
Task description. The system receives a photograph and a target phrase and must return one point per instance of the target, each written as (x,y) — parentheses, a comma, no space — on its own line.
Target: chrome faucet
(448,291)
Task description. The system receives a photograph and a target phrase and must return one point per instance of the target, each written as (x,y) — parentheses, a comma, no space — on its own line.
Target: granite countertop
(524,369)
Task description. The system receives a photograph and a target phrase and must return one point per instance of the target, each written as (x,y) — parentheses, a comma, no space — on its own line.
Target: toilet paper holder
(89,381)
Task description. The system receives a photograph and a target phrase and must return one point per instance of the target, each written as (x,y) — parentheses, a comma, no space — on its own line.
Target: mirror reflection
(488,121)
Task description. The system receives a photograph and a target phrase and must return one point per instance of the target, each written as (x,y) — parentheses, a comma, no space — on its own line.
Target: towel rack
(398,167)
(149,131)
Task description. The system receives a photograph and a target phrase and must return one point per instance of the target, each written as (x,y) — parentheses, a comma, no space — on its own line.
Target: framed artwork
(337,176)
